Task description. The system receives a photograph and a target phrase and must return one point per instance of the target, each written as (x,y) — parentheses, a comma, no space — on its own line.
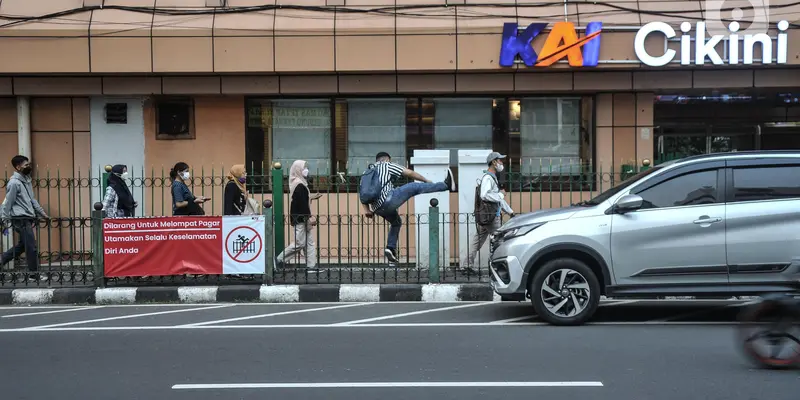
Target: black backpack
(485,211)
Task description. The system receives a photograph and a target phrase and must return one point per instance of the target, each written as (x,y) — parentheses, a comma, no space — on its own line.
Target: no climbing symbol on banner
(243,244)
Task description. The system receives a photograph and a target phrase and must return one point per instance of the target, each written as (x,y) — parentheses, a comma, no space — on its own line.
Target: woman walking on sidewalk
(300,217)
(236,200)
(118,201)
(183,201)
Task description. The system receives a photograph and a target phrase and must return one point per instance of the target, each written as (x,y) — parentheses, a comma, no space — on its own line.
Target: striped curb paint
(350,293)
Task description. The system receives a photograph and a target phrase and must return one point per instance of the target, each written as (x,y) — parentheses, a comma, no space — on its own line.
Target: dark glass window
(767,183)
(684,190)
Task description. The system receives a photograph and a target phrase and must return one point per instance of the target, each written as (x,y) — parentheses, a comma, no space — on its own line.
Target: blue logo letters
(513,44)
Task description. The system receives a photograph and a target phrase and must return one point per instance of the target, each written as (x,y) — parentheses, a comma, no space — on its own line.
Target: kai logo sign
(562,41)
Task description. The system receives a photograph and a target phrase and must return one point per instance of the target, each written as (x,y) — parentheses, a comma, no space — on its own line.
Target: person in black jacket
(235,199)
(300,217)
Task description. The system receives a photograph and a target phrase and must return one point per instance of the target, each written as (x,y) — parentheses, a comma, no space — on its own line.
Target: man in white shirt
(490,193)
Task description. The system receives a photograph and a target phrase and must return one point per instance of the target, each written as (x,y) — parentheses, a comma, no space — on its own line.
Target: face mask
(242,180)
(185,175)
(499,168)
(27,170)
(305,172)
(124,175)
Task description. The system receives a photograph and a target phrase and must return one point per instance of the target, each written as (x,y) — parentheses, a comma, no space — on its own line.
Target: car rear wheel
(565,291)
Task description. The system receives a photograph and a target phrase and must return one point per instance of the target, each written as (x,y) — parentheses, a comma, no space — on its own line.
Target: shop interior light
(792,124)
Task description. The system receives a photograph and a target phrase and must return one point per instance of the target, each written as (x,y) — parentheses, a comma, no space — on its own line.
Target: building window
(288,130)
(174,118)
(374,125)
(546,136)
(301,130)
(420,114)
(462,124)
(116,113)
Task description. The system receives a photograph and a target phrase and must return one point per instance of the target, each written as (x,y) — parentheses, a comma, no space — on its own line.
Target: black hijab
(125,199)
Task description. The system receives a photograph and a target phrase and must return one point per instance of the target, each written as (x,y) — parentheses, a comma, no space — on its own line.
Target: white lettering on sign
(705,47)
(301,117)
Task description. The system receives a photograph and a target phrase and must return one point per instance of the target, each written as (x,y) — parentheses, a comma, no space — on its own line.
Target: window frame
(188,101)
(505,138)
(747,163)
(716,165)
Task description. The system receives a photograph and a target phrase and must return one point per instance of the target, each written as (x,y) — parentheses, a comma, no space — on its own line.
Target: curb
(322,293)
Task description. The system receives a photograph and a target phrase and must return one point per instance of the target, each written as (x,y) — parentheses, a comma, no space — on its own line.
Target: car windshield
(616,189)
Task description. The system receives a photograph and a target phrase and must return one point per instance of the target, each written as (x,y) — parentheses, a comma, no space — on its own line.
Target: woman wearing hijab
(235,199)
(300,216)
(183,201)
(118,202)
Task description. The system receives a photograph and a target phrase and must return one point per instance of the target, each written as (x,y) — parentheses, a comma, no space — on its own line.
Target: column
(471,167)
(24,126)
(433,165)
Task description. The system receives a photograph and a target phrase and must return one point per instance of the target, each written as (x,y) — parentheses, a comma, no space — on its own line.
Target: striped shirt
(386,172)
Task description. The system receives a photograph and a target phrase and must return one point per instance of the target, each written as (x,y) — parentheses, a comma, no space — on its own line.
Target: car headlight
(520,230)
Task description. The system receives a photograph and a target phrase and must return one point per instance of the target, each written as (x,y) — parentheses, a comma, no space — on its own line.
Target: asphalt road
(633,350)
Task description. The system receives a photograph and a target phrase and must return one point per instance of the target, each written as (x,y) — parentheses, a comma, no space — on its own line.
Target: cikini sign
(706,48)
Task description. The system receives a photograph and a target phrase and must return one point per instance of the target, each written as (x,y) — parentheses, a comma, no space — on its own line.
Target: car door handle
(705,219)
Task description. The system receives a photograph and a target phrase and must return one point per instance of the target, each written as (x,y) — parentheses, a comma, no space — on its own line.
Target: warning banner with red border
(183,245)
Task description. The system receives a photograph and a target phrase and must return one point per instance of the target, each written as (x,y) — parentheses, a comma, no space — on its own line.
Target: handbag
(250,207)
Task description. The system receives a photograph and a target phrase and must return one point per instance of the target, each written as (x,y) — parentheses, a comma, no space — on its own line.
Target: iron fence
(350,246)
(63,253)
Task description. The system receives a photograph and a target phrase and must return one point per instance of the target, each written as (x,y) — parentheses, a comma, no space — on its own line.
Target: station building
(583,86)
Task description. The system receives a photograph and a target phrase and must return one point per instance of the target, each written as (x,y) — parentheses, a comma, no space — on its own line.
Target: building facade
(577,89)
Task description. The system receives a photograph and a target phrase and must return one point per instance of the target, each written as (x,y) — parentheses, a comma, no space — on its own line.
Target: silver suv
(716,225)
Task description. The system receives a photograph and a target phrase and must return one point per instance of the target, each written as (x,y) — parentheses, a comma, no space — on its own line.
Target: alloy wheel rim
(565,293)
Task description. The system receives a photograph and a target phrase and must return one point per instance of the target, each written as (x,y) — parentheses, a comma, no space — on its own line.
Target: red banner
(162,246)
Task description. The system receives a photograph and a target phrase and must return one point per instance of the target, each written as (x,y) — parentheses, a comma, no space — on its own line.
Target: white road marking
(358,321)
(305,310)
(88,321)
(335,326)
(510,320)
(340,385)
(51,312)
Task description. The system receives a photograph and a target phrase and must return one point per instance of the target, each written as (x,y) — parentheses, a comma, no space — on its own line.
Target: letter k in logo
(513,44)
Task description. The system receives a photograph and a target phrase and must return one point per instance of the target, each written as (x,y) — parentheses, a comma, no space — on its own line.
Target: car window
(766,183)
(683,190)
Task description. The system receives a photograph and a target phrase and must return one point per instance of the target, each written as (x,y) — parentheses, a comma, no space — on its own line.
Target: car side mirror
(629,202)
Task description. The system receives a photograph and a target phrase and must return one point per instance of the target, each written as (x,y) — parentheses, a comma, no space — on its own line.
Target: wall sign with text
(562,41)
(705,46)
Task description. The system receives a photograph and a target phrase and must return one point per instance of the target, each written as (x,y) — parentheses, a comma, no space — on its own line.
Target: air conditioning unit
(116,113)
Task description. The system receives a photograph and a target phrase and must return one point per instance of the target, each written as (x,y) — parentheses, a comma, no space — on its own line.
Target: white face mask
(124,175)
(499,168)
(305,172)
(185,175)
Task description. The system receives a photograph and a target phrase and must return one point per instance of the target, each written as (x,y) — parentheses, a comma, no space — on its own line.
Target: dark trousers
(27,243)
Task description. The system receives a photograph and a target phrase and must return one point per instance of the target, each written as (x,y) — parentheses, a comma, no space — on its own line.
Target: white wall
(119,143)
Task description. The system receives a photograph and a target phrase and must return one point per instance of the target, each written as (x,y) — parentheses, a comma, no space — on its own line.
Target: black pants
(27,243)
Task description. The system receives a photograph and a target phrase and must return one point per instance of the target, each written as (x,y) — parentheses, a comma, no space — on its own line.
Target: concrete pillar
(24,126)
(433,165)
(471,167)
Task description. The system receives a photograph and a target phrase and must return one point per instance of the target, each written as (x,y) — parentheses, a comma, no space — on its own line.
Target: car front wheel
(565,291)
